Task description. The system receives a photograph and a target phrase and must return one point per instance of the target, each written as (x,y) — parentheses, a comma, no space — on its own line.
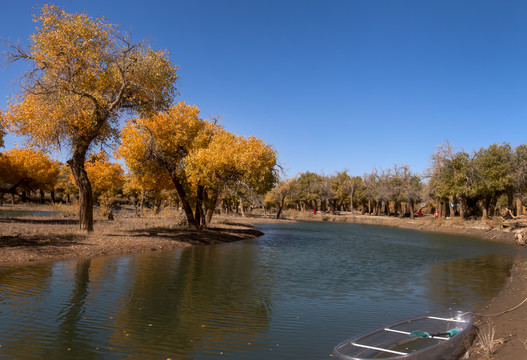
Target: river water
(291,294)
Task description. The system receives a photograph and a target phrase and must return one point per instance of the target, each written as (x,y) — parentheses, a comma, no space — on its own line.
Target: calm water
(16,213)
(293,293)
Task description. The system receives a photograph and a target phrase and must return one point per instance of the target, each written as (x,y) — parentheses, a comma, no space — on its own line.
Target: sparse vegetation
(486,339)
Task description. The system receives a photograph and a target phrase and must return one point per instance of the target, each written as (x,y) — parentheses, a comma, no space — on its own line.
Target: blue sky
(333,85)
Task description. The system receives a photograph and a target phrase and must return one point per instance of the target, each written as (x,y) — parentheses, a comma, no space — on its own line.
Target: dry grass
(64,210)
(487,341)
(495,222)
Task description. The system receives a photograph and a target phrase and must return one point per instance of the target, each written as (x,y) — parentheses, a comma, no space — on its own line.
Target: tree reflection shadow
(205,300)
(462,280)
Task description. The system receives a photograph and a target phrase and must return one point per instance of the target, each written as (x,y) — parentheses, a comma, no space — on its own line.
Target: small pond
(291,294)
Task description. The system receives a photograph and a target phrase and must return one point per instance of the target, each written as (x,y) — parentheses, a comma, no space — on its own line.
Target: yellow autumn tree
(66,184)
(279,195)
(84,74)
(158,145)
(152,190)
(28,169)
(230,161)
(197,156)
(106,177)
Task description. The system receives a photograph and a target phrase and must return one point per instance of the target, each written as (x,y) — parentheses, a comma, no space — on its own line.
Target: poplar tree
(84,74)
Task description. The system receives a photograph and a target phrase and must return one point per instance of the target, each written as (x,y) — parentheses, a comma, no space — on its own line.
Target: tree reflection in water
(480,277)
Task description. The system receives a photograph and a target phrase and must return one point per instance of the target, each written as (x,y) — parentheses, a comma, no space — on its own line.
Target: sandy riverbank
(26,240)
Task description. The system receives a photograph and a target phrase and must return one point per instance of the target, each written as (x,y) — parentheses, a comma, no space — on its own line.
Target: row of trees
(457,184)
(479,181)
(85,75)
(233,180)
(28,171)
(196,157)
(391,191)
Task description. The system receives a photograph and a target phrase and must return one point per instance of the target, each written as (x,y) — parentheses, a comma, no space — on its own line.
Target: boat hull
(447,332)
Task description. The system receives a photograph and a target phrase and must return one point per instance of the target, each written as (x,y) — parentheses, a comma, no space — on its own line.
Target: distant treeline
(458,183)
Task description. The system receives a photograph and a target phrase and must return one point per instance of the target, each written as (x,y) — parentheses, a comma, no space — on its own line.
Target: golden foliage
(178,143)
(229,159)
(157,146)
(66,183)
(31,167)
(105,177)
(85,72)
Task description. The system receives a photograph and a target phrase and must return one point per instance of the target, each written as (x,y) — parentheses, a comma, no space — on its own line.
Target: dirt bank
(26,240)
(501,325)
(486,229)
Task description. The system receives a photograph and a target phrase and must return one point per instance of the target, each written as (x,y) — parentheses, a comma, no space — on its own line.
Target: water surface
(293,293)
(18,213)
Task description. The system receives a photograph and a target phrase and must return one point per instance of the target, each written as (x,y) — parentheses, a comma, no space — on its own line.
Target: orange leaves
(260,163)
(105,177)
(31,166)
(72,40)
(178,143)
(160,143)
(229,159)
(84,74)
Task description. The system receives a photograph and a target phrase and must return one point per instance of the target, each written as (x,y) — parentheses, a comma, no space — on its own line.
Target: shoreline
(477,228)
(32,240)
(505,314)
(502,321)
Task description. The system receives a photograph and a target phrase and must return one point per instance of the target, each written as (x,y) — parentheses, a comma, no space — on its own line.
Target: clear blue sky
(333,85)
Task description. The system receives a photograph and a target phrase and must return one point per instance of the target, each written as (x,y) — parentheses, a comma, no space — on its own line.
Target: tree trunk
(210,205)
(486,205)
(42,197)
(510,201)
(142,205)
(462,207)
(485,213)
(412,209)
(242,210)
(198,214)
(451,212)
(184,201)
(519,205)
(85,192)
(280,208)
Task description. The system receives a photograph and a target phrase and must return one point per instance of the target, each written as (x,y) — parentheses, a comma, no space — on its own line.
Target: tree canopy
(84,74)
(27,169)
(197,156)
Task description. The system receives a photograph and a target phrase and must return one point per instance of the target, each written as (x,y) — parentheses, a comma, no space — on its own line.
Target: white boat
(437,336)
